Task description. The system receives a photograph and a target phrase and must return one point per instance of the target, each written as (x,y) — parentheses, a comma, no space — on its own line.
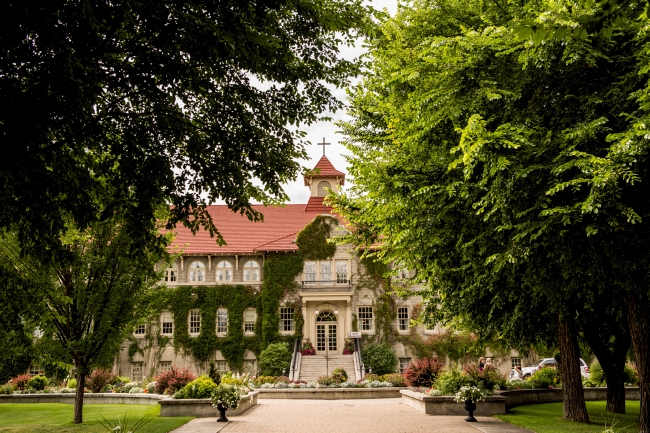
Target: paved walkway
(387,415)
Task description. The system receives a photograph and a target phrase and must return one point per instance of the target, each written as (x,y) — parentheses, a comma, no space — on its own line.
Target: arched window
(251,271)
(322,191)
(326,316)
(197,271)
(224,271)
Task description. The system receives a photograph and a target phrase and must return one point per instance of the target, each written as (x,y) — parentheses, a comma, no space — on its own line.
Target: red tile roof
(324,168)
(276,233)
(315,204)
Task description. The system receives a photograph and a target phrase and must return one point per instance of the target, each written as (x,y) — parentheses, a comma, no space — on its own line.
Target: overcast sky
(298,193)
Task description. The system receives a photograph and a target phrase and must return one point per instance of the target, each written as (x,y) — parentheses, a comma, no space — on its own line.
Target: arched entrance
(326,332)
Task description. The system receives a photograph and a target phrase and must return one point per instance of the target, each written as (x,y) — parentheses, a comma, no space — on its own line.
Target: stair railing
(293,372)
(358,360)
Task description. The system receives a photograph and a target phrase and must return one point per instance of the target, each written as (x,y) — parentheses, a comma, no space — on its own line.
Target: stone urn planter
(470,407)
(222,413)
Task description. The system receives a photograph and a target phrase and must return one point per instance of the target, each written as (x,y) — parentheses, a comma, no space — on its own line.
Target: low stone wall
(330,393)
(202,407)
(445,404)
(522,397)
(98,398)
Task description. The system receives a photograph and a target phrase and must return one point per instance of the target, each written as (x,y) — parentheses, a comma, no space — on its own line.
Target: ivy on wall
(313,238)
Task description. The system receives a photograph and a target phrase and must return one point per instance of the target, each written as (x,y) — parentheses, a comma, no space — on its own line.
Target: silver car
(551,362)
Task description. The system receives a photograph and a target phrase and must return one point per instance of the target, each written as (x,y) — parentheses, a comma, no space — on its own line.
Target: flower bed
(202,407)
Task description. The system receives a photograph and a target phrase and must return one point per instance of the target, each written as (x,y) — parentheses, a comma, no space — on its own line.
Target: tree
(158,100)
(512,163)
(91,297)
(275,360)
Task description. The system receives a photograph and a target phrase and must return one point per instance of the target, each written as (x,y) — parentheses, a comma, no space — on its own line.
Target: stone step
(314,366)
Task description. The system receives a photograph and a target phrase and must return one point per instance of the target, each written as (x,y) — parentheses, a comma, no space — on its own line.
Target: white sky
(296,190)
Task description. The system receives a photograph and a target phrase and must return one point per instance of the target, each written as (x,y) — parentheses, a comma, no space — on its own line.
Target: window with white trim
(222,366)
(171,273)
(309,273)
(365,319)
(326,271)
(137,371)
(140,330)
(197,271)
(195,322)
(167,323)
(403,318)
(249,367)
(404,364)
(222,321)
(164,366)
(286,319)
(341,271)
(224,271)
(250,316)
(251,271)
(515,362)
(35,370)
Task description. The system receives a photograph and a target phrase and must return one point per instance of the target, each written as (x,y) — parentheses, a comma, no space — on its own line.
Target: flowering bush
(282,379)
(281,385)
(263,380)
(339,375)
(423,372)
(396,379)
(200,387)
(226,395)
(488,379)
(471,393)
(307,348)
(20,382)
(129,386)
(449,382)
(311,385)
(136,390)
(326,380)
(375,384)
(546,377)
(348,384)
(67,390)
(99,378)
(433,392)
(151,387)
(168,382)
(348,347)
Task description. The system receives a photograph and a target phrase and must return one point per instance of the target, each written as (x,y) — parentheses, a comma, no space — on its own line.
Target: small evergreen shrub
(380,358)
(423,372)
(545,378)
(168,382)
(38,383)
(214,374)
(397,379)
(99,378)
(451,381)
(201,387)
(20,382)
(339,375)
(275,359)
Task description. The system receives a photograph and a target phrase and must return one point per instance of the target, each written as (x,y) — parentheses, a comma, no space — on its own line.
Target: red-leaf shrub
(171,381)
(98,379)
(423,372)
(20,382)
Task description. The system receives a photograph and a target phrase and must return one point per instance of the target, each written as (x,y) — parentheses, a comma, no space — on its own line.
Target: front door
(326,336)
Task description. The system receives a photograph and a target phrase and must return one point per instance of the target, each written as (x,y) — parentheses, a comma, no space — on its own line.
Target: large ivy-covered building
(278,280)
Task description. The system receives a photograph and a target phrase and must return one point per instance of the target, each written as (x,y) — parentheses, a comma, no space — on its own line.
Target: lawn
(57,417)
(547,418)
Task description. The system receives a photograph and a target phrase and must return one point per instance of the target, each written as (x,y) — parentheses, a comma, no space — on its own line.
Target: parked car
(551,362)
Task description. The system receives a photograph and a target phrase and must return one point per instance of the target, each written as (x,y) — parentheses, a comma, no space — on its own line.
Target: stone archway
(326,332)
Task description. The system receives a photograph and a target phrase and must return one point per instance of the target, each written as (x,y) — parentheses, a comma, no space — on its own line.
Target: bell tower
(320,180)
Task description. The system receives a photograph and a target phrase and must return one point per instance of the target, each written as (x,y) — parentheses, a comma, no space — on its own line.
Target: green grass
(547,418)
(57,417)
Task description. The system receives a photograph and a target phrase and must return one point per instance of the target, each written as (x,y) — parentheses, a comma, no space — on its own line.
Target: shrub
(596,373)
(371,377)
(264,379)
(380,358)
(99,378)
(519,384)
(120,379)
(229,379)
(7,389)
(282,379)
(38,383)
(588,383)
(168,382)
(545,378)
(307,348)
(488,379)
(71,383)
(348,347)
(214,374)
(136,390)
(201,387)
(275,359)
(327,380)
(397,379)
(151,387)
(226,395)
(20,382)
(423,372)
(631,375)
(339,375)
(450,382)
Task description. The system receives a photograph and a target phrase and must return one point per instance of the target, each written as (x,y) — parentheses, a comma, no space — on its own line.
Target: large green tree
(506,171)
(167,102)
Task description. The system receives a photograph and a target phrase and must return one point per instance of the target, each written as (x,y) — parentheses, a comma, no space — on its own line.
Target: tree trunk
(639,320)
(79,396)
(573,394)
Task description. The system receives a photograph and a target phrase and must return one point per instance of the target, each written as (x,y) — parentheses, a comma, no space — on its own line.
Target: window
(286,319)
(197,271)
(136,371)
(249,320)
(323,188)
(404,364)
(222,321)
(249,367)
(310,273)
(341,271)
(515,362)
(326,271)
(171,274)
(224,271)
(167,323)
(403,318)
(140,330)
(195,321)
(164,366)
(222,366)
(402,274)
(251,271)
(365,318)
(35,370)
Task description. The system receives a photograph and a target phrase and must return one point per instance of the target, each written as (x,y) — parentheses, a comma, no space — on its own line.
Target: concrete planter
(202,407)
(99,398)
(330,393)
(445,404)
(522,397)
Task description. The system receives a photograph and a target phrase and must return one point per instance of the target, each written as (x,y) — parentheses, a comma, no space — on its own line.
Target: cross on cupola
(324,144)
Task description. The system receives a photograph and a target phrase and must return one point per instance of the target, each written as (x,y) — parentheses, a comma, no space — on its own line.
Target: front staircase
(314,366)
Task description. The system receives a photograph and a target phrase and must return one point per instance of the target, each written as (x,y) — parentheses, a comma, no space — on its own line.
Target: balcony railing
(327,286)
